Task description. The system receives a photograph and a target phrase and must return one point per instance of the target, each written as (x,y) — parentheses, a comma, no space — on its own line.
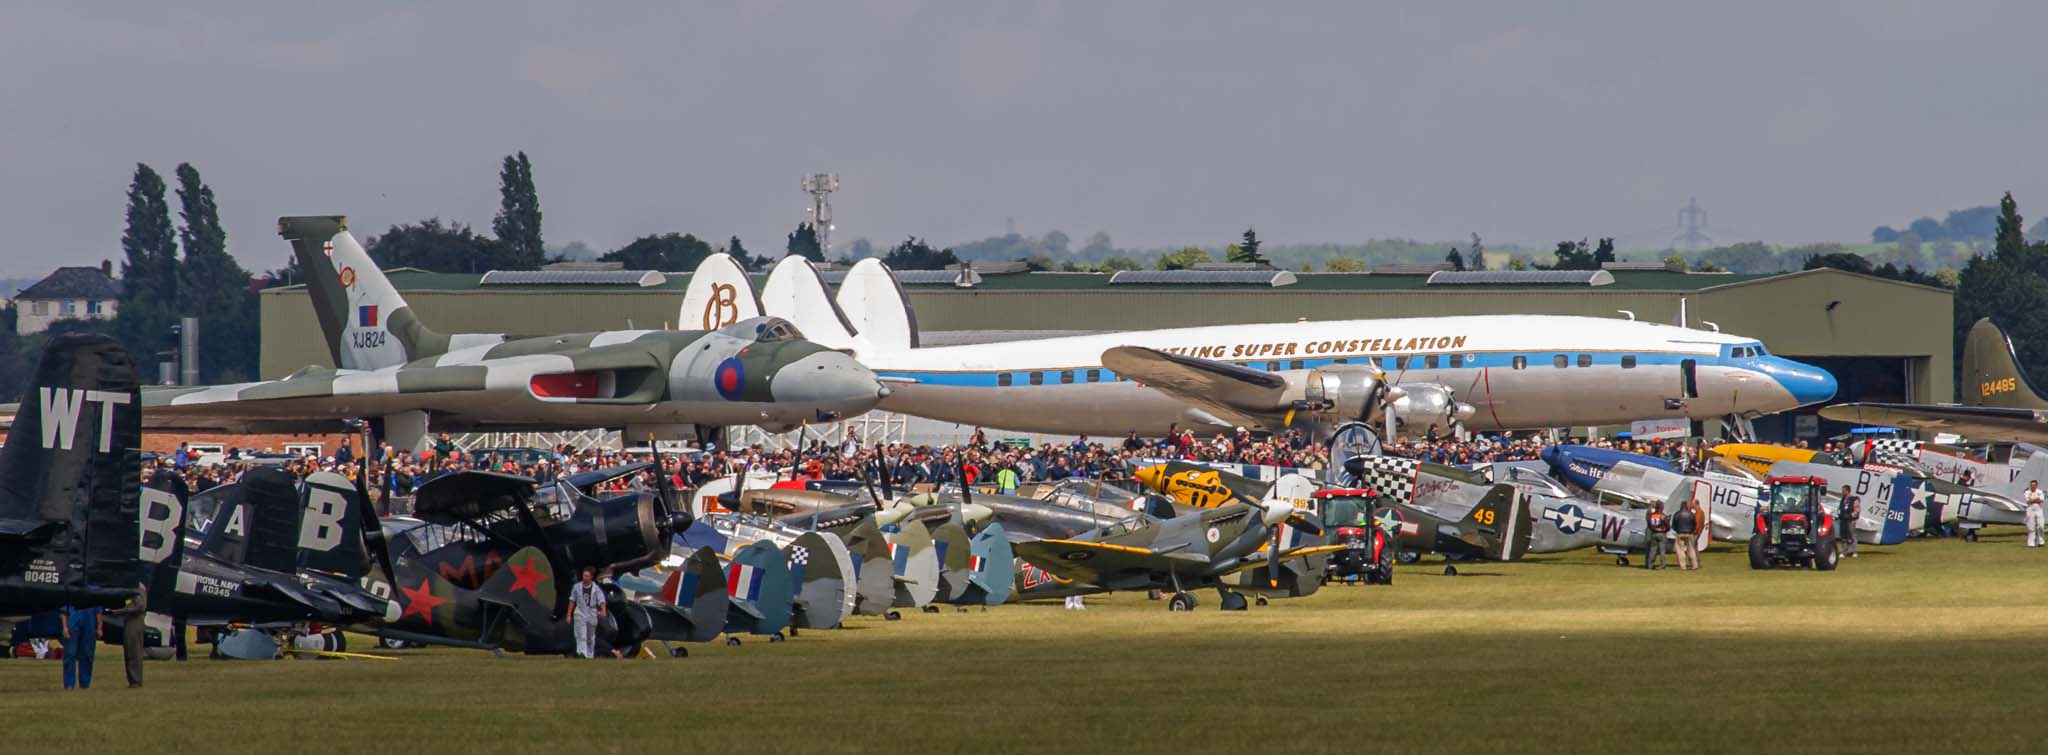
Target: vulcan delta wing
(1201,549)
(70,498)
(391,367)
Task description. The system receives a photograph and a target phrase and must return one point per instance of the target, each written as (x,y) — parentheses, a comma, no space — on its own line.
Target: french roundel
(729,378)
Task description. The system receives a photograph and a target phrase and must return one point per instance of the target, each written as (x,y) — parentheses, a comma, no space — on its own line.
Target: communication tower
(820,186)
(1692,226)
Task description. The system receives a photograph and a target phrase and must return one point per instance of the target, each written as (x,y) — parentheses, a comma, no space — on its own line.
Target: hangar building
(1884,340)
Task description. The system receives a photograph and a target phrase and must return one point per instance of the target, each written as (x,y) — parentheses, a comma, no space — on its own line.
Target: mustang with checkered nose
(394,370)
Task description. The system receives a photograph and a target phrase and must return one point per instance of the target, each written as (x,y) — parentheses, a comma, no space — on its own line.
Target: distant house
(71,293)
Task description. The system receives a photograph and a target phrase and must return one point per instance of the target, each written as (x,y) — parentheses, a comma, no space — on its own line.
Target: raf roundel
(729,378)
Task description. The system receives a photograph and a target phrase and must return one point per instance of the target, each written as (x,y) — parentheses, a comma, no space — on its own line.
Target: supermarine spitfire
(1201,549)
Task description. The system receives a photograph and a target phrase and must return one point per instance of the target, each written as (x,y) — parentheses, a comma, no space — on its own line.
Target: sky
(1162,124)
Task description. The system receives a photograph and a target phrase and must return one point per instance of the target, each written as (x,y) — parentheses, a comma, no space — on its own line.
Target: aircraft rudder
(796,292)
(719,294)
(873,301)
(1991,371)
(367,323)
(73,448)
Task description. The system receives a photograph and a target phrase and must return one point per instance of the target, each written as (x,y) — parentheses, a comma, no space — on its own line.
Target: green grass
(1921,647)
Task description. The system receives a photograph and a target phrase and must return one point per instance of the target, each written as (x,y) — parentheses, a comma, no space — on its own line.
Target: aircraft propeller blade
(373,527)
(1302,521)
(1273,558)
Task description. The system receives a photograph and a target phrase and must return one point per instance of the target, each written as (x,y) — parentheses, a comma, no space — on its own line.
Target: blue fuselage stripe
(1021,378)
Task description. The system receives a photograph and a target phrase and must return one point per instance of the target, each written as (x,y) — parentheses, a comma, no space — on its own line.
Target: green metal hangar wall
(1884,340)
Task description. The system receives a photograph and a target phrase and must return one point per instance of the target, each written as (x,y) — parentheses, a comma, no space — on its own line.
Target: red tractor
(1794,526)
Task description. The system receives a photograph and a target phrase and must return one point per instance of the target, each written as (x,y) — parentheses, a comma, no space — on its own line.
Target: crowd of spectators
(400,474)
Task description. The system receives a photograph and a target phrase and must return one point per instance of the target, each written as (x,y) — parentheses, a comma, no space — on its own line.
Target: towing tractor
(1794,526)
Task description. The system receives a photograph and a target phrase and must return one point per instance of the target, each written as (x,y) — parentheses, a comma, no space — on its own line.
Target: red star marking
(420,600)
(527,578)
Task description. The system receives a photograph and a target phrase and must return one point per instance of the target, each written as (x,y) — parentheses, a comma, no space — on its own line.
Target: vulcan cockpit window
(774,331)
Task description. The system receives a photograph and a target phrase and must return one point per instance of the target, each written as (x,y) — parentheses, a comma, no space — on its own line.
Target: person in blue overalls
(81,635)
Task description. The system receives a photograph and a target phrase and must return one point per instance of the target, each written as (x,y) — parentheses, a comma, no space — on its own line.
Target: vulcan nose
(829,378)
(1807,384)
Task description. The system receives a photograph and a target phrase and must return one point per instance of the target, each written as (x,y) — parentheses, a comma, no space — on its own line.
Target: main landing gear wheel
(1259,601)
(1181,602)
(792,631)
(1450,570)
(1970,536)
(1620,560)
(931,609)
(678,652)
(497,652)
(1234,602)
(732,642)
(776,637)
(892,616)
(1408,557)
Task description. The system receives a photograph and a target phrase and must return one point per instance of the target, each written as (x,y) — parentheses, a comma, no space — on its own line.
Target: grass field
(1928,646)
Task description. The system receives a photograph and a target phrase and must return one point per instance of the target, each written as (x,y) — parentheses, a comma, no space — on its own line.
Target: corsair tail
(795,292)
(720,294)
(367,324)
(1504,515)
(873,302)
(264,533)
(1991,371)
(330,532)
(70,481)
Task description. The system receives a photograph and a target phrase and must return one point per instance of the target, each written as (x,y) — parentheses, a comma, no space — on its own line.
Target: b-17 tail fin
(720,294)
(70,481)
(1991,371)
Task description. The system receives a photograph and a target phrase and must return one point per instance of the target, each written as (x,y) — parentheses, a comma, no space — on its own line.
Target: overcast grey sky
(1159,123)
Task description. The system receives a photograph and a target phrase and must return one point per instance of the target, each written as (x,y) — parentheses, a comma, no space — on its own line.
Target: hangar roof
(1639,280)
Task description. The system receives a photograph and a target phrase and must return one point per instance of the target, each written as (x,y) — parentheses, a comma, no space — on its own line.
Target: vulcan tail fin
(1504,516)
(70,482)
(1991,371)
(873,301)
(795,292)
(719,294)
(367,324)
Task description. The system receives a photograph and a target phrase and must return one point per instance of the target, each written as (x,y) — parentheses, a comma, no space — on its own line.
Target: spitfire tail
(368,325)
(795,292)
(1991,371)
(995,566)
(699,590)
(1505,517)
(872,299)
(720,294)
(69,492)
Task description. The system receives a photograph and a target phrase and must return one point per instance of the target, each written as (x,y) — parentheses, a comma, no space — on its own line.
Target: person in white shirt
(586,609)
(2034,498)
